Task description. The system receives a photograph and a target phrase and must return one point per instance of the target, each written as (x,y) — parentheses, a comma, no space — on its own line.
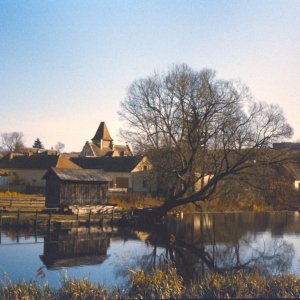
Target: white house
(133,173)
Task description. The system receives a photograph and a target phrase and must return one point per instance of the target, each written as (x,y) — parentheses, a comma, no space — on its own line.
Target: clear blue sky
(65,65)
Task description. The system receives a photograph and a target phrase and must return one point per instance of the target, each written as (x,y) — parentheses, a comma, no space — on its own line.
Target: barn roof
(36,161)
(108,164)
(65,261)
(79,175)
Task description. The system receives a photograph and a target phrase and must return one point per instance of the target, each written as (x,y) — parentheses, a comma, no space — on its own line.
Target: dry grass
(162,283)
(15,194)
(131,201)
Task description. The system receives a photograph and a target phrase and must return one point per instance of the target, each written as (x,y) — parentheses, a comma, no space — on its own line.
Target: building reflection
(75,247)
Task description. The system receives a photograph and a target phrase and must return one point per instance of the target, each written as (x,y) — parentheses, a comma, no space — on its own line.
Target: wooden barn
(65,187)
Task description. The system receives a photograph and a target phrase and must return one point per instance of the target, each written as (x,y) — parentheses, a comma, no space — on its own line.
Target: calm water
(197,244)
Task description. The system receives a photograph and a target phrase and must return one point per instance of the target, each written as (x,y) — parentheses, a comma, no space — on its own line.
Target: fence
(22,201)
(55,216)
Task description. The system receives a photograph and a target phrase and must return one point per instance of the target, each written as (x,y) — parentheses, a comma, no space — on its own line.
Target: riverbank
(161,283)
(29,210)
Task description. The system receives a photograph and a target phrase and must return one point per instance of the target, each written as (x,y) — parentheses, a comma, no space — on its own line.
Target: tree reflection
(268,256)
(222,244)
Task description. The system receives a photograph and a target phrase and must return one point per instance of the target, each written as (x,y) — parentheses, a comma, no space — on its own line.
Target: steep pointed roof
(102,133)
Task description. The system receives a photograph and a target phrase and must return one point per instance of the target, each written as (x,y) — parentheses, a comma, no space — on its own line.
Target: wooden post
(18,217)
(112,214)
(11,202)
(77,213)
(50,215)
(102,216)
(90,216)
(18,237)
(100,220)
(36,217)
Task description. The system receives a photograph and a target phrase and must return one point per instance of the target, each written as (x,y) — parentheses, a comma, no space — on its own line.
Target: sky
(65,65)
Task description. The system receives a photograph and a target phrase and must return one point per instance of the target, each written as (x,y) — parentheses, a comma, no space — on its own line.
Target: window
(145,168)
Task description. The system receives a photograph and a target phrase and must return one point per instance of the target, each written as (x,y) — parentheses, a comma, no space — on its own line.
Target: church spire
(102,134)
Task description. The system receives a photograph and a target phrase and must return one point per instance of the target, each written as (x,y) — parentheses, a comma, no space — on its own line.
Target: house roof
(70,154)
(12,161)
(79,175)
(102,133)
(108,164)
(119,150)
(40,151)
(123,148)
(97,151)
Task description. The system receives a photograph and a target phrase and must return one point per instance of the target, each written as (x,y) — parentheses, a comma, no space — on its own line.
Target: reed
(161,283)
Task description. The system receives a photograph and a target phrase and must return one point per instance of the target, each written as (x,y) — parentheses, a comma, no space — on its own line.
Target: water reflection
(204,243)
(75,247)
(196,244)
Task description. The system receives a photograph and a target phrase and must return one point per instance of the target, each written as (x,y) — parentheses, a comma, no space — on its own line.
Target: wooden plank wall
(82,193)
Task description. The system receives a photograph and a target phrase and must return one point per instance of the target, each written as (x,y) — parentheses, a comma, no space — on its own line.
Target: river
(196,244)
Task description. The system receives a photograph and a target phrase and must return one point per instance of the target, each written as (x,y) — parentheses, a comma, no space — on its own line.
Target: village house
(102,145)
(128,173)
(25,172)
(31,151)
(69,187)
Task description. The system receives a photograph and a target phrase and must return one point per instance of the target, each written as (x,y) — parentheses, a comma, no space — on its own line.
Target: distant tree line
(14,142)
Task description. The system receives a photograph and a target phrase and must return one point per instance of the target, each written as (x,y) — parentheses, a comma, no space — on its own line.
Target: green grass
(162,283)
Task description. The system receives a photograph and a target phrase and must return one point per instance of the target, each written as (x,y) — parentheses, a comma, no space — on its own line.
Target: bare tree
(60,146)
(12,141)
(199,130)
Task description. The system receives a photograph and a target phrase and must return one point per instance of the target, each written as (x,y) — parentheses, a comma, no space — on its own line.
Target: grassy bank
(16,194)
(162,283)
(136,201)
(130,201)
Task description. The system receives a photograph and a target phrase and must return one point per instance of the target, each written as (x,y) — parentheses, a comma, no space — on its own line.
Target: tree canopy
(198,130)
(38,144)
(60,146)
